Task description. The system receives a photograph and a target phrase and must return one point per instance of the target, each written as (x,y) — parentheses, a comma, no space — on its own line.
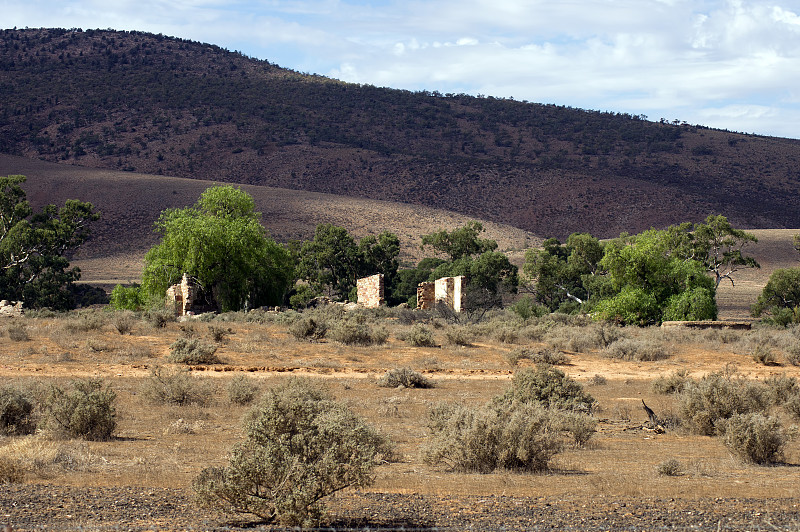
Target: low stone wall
(10,309)
(371,291)
(709,324)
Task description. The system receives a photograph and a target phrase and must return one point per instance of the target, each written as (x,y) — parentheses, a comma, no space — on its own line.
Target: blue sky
(732,64)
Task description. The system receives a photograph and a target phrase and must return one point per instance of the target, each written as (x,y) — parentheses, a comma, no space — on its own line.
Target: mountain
(150,104)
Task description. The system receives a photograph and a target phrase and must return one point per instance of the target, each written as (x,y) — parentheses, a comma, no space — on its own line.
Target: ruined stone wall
(181,296)
(451,291)
(10,308)
(371,291)
(426,295)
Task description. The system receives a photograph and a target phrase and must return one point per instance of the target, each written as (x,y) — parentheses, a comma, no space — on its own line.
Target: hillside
(144,103)
(130,202)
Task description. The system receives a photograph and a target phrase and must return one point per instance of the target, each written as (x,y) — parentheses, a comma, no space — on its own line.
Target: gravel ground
(42,507)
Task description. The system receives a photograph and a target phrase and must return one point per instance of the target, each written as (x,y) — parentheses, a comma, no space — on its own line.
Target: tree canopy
(780,298)
(221,244)
(33,265)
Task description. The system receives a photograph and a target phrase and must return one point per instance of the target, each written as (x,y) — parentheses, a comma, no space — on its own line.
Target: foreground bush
(86,410)
(705,405)
(308,328)
(480,440)
(300,447)
(242,390)
(405,377)
(420,336)
(755,438)
(192,351)
(16,412)
(548,386)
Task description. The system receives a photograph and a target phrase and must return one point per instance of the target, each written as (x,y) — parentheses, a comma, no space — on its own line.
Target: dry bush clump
(419,336)
(242,390)
(124,321)
(755,437)
(85,410)
(704,405)
(405,377)
(18,333)
(192,351)
(350,332)
(16,411)
(670,468)
(176,387)
(537,356)
(636,349)
(300,447)
(44,458)
(672,383)
(83,321)
(548,386)
(11,470)
(459,335)
(308,328)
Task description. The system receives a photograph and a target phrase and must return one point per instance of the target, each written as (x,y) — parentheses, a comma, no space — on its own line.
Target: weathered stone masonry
(181,296)
(449,291)
(371,291)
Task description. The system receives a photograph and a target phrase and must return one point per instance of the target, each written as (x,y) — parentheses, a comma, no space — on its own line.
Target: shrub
(670,468)
(755,438)
(85,321)
(763,354)
(579,425)
(159,318)
(459,335)
(16,412)
(793,355)
(548,386)
(300,447)
(540,356)
(526,308)
(123,321)
(11,470)
(672,383)
(127,298)
(218,334)
(405,377)
(781,388)
(639,350)
(420,336)
(706,404)
(242,390)
(84,411)
(175,387)
(192,351)
(598,380)
(18,333)
(308,328)
(350,332)
(792,404)
(483,439)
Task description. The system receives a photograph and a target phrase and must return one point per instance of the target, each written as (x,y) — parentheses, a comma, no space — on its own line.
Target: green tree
(33,266)
(797,243)
(489,276)
(651,283)
(781,297)
(221,244)
(332,261)
(719,247)
(459,243)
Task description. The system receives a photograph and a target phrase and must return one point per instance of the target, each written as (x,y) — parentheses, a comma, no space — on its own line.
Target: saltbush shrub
(16,412)
(300,447)
(672,383)
(405,377)
(123,321)
(176,387)
(704,405)
(192,351)
(548,386)
(670,468)
(11,470)
(351,332)
(242,390)
(18,333)
(579,425)
(480,440)
(538,356)
(638,350)
(420,336)
(85,410)
(755,437)
(308,328)
(459,335)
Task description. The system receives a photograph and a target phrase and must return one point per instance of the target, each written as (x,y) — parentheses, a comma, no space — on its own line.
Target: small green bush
(549,387)
(405,377)
(84,411)
(176,387)
(480,440)
(755,437)
(300,447)
(16,412)
(579,425)
(242,390)
(670,468)
(420,336)
(705,405)
(127,298)
(672,383)
(192,351)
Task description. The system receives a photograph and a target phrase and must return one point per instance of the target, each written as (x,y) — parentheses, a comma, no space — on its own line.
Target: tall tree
(33,265)
(461,242)
(221,244)
(720,248)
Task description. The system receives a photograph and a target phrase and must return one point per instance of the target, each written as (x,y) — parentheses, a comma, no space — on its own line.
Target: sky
(729,64)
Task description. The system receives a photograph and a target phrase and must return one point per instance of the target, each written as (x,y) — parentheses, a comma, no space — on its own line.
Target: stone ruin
(181,297)
(450,291)
(371,291)
(10,308)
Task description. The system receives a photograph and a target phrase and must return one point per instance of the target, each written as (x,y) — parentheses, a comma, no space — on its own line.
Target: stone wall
(426,295)
(371,291)
(181,296)
(10,308)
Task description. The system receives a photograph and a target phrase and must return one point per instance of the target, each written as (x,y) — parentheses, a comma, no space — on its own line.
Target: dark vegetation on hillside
(160,105)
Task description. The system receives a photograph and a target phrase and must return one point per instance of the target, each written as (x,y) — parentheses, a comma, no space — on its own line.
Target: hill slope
(158,105)
(131,202)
